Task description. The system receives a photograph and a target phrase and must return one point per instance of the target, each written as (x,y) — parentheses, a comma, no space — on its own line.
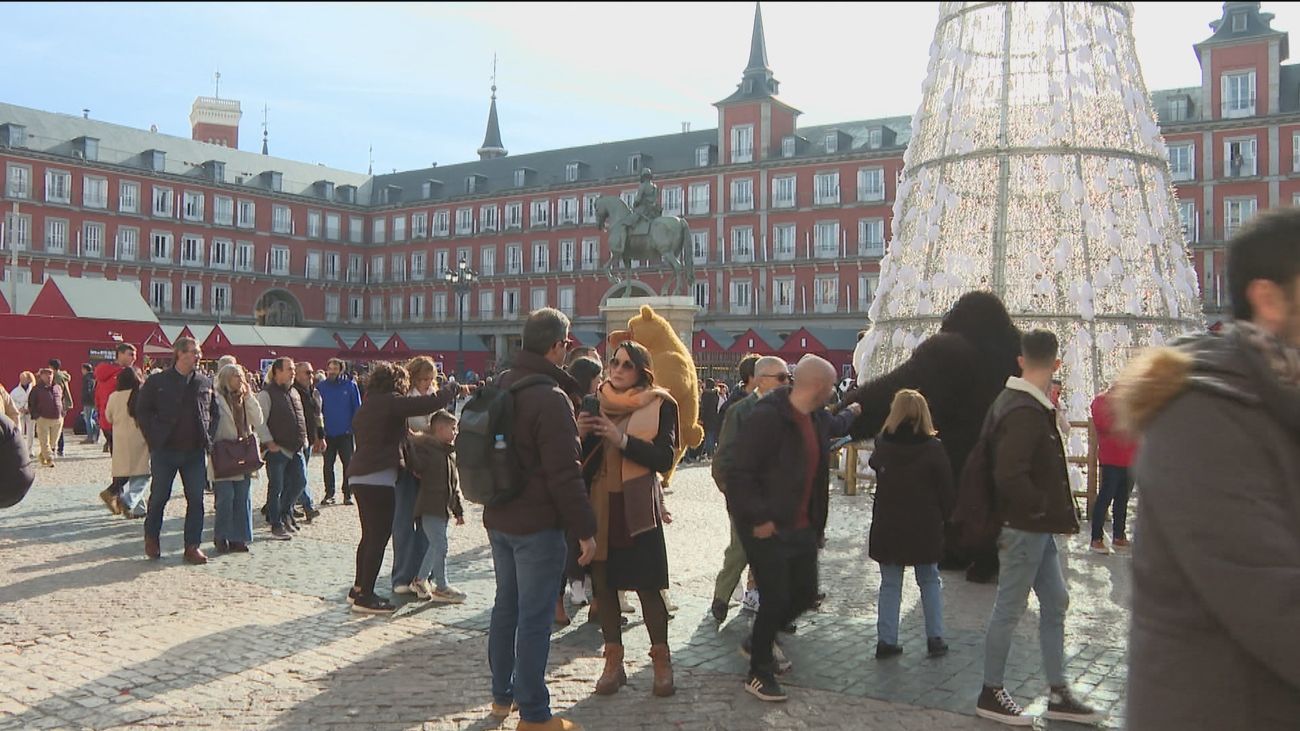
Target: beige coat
(226,424)
(130,452)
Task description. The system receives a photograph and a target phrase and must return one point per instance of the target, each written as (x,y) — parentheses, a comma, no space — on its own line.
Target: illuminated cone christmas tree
(1036,171)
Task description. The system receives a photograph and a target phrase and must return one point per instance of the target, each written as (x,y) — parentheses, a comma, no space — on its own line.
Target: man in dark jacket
(177,412)
(527,533)
(304,382)
(778,495)
(1216,562)
(1032,489)
(709,400)
(47,406)
(16,476)
(284,437)
(340,400)
(959,370)
(88,404)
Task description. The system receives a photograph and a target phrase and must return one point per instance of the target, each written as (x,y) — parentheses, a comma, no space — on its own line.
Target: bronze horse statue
(666,237)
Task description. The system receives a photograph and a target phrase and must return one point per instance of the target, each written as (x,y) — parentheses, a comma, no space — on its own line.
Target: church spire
(492,146)
(757,45)
(757,82)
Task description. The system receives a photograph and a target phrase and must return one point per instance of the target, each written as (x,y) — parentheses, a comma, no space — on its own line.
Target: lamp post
(461,280)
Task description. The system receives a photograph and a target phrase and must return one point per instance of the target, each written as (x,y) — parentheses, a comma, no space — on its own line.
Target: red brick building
(788,223)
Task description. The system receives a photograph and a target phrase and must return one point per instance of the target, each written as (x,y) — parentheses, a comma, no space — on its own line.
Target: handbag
(232,458)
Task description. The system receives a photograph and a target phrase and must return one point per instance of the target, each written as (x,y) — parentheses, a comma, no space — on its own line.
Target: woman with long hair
(380,427)
(130,451)
(238,415)
(410,544)
(914,496)
(627,447)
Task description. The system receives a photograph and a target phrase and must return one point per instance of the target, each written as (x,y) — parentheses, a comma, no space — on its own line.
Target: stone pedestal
(678,311)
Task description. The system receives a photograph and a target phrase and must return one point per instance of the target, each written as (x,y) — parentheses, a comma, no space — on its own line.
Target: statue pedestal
(680,312)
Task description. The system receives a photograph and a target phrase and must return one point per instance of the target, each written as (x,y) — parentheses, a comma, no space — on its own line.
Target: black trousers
(341,447)
(785,568)
(375,508)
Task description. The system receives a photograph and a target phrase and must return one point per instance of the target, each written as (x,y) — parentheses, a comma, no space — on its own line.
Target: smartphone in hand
(590,405)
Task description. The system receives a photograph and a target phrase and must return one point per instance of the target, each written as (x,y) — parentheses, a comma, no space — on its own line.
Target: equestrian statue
(641,232)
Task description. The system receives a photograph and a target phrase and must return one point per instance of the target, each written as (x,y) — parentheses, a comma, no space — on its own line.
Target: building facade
(788,223)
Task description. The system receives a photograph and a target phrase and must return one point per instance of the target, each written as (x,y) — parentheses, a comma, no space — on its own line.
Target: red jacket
(1112,448)
(105,385)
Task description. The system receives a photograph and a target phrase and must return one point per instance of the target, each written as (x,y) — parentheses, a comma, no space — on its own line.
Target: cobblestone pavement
(92,635)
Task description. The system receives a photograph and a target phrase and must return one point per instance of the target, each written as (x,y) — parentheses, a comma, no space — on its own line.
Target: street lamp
(461,280)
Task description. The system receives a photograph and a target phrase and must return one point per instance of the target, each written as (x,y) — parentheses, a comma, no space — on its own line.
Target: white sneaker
(422,589)
(578,593)
(447,595)
(624,604)
(668,600)
(750,601)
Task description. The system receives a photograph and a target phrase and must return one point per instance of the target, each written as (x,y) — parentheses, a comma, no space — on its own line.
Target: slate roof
(589,338)
(724,338)
(55,133)
(835,338)
(104,299)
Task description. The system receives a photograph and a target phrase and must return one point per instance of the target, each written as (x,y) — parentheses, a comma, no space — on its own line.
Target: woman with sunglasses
(626,447)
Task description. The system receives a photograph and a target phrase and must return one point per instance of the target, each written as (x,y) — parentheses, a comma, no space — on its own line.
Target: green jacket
(729,435)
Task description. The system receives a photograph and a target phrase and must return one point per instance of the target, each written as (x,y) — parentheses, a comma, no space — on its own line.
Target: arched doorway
(278,308)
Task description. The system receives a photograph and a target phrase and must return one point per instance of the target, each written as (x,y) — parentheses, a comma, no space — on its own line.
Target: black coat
(16,476)
(159,406)
(914,496)
(765,479)
(709,409)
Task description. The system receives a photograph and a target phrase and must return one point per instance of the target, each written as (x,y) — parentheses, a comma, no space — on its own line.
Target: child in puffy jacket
(431,454)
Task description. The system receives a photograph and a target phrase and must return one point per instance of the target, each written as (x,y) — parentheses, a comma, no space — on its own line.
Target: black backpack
(490,472)
(976,513)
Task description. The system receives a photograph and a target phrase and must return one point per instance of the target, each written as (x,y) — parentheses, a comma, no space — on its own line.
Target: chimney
(215,121)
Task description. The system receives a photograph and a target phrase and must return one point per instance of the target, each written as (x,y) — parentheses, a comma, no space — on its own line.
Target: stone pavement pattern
(92,635)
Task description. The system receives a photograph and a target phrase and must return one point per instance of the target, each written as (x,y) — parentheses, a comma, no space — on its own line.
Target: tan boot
(555,724)
(613,676)
(663,666)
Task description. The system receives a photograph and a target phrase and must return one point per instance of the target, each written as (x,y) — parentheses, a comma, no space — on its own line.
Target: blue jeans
(528,570)
(193,468)
(234,519)
(286,477)
(891,599)
(305,499)
(409,542)
(1115,487)
(434,565)
(1028,561)
(133,494)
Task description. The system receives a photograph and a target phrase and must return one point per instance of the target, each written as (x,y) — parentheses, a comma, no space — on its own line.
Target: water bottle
(499,464)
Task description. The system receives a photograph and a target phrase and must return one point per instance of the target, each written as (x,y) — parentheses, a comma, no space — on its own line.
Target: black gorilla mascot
(960,370)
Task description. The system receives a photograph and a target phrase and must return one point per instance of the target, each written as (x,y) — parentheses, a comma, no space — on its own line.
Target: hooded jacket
(1216,559)
(435,463)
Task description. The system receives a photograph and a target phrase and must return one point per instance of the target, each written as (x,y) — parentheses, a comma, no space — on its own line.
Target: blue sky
(412,79)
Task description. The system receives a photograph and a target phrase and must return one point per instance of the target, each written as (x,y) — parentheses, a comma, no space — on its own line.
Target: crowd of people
(971,475)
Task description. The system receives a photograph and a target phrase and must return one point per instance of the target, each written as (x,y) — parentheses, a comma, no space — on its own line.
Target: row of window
(824,297)
(228,211)
(1237,211)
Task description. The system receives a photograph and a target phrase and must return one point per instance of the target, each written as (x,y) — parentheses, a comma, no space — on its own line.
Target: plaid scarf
(1282,358)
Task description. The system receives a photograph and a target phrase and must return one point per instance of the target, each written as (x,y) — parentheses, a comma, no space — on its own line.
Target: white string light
(1036,170)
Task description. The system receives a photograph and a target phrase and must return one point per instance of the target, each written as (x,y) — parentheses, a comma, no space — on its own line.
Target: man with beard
(960,370)
(1216,560)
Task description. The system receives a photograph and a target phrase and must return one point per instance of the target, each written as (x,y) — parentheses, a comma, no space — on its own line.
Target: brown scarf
(636,413)
(1282,358)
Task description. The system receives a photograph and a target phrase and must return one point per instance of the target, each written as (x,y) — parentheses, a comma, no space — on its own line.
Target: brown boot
(195,555)
(555,724)
(613,676)
(663,666)
(151,547)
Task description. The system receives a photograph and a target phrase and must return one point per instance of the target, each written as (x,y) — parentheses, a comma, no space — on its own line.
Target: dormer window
(832,142)
(702,156)
(1238,22)
(476,184)
(787,146)
(749,86)
(634,164)
(521,177)
(571,172)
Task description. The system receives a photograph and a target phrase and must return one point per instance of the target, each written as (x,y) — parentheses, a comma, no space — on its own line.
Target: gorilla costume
(960,370)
